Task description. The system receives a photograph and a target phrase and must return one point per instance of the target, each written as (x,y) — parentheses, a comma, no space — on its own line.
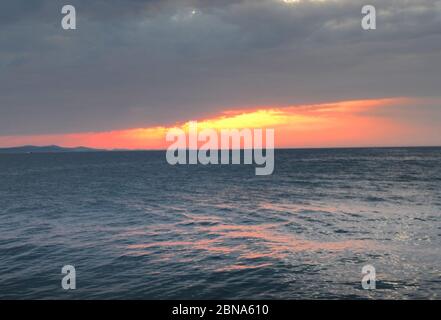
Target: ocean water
(135,227)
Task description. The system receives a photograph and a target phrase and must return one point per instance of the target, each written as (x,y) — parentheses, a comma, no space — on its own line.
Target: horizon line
(71,149)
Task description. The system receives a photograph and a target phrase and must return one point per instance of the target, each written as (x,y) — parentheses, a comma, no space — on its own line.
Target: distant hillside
(45,149)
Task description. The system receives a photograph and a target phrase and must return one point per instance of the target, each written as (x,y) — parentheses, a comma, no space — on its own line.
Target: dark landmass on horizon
(46,149)
(57,149)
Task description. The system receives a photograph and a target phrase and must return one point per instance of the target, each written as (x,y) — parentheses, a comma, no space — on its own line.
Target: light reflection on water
(135,227)
(244,242)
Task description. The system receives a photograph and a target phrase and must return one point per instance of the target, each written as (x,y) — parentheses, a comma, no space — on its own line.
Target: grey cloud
(138,63)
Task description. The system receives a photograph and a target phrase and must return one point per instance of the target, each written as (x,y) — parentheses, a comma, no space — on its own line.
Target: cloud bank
(141,63)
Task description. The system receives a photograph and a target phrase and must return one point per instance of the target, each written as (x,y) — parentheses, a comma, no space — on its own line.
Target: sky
(133,69)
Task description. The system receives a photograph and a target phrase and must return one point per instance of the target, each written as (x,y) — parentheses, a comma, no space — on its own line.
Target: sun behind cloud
(345,123)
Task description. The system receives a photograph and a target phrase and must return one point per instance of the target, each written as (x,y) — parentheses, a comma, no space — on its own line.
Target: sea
(135,227)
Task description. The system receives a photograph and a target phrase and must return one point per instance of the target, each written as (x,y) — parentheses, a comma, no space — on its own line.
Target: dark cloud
(136,63)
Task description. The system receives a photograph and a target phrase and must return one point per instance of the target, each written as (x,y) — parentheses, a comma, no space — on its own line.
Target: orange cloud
(347,123)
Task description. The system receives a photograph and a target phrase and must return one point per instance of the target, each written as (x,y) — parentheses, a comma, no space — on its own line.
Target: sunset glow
(347,123)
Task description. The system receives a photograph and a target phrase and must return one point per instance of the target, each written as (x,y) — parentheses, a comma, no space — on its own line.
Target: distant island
(46,149)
